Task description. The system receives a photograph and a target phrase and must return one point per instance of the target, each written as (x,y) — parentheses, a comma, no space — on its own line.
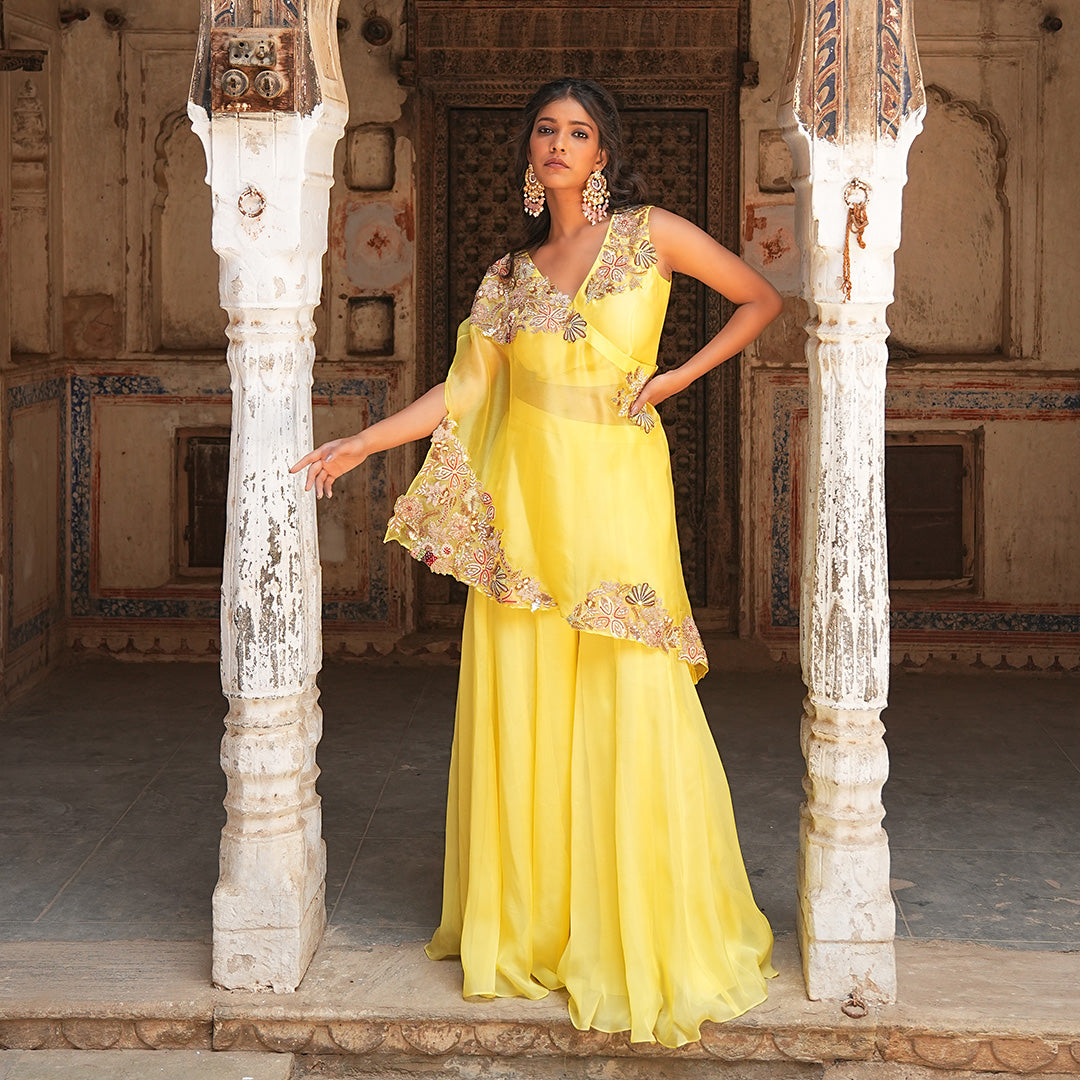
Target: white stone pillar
(268,104)
(853,104)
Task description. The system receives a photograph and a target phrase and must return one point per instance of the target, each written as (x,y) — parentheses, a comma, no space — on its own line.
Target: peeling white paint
(270,228)
(846,919)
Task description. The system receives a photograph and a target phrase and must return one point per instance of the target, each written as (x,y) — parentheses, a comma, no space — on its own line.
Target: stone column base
(268,958)
(833,969)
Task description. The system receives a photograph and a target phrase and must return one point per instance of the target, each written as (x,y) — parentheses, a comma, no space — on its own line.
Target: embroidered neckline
(529,301)
(626,257)
(567,297)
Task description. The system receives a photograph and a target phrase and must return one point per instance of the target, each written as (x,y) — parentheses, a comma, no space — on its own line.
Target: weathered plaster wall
(93,120)
(133,439)
(114,326)
(370,333)
(33,394)
(34,505)
(127,306)
(984,332)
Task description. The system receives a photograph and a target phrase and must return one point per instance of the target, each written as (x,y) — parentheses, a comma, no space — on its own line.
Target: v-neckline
(570,298)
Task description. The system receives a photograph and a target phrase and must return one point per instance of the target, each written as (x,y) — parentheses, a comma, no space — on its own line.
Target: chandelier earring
(594,198)
(534,193)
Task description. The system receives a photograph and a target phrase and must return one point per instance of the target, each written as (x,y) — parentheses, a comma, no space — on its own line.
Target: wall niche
(952,268)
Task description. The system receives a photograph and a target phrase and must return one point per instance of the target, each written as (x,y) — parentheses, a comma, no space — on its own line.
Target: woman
(590,842)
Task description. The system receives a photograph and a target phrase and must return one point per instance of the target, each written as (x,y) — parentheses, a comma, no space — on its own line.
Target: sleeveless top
(540,489)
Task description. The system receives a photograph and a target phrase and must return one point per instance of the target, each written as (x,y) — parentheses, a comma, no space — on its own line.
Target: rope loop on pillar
(857,197)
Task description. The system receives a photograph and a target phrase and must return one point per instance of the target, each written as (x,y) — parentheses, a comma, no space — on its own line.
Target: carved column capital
(853,72)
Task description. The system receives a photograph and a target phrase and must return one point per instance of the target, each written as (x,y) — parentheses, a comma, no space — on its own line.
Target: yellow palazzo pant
(590,840)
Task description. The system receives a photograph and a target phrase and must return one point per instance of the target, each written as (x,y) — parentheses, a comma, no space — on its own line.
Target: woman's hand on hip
(327,462)
(659,388)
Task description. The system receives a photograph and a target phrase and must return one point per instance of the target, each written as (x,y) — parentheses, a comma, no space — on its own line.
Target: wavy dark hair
(626,187)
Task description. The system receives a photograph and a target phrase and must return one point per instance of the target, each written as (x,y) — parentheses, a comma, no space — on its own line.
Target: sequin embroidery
(634,612)
(627,394)
(447,523)
(627,257)
(505,305)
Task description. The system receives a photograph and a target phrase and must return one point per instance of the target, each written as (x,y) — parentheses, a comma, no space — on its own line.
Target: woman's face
(564,147)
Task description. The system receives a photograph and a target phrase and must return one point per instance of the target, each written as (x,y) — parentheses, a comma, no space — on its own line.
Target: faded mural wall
(112,345)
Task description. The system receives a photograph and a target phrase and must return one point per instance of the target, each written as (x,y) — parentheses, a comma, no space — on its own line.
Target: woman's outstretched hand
(327,462)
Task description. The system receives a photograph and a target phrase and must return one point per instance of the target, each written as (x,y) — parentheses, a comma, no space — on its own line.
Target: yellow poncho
(540,489)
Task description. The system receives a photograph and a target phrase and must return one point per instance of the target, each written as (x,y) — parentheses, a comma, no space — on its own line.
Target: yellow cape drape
(540,490)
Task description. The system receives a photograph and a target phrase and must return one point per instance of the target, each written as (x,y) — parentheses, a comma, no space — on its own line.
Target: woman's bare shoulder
(671,228)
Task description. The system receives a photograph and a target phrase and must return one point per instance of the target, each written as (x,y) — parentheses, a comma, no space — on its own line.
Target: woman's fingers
(316,455)
(640,401)
(320,473)
(652,393)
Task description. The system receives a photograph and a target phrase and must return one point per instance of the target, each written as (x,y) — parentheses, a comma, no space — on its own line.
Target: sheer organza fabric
(590,838)
(540,489)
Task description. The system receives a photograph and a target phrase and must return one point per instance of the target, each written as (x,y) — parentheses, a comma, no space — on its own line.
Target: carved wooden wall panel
(679,104)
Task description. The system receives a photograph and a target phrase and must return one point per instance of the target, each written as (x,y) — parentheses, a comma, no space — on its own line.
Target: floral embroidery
(611,270)
(627,395)
(645,256)
(691,650)
(576,327)
(641,596)
(447,522)
(606,615)
(627,257)
(547,318)
(526,300)
(633,611)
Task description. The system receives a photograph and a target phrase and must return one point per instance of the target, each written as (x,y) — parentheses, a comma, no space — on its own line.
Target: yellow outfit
(590,842)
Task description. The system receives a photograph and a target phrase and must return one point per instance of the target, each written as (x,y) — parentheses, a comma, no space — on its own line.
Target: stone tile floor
(110,801)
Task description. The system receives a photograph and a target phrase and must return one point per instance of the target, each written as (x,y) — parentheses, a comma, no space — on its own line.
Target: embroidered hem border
(633,612)
(447,522)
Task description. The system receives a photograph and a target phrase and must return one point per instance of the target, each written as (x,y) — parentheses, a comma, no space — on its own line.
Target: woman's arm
(416,421)
(682,247)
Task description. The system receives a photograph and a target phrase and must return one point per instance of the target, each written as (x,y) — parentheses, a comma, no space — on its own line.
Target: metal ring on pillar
(856,192)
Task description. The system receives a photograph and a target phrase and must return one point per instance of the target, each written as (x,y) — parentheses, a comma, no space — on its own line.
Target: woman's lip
(556,164)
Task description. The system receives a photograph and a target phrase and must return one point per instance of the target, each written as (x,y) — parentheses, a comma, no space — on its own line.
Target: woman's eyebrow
(580,123)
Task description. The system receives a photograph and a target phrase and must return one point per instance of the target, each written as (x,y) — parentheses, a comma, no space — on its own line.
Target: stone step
(143,1065)
(374,1011)
(232,1065)
(550,1069)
